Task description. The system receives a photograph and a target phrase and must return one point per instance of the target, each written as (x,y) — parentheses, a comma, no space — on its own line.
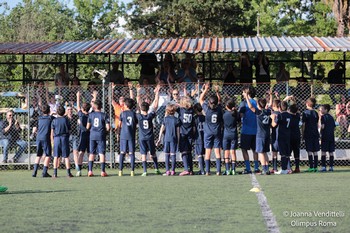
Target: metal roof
(182,45)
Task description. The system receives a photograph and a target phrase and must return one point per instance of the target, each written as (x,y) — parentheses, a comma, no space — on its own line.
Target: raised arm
(156,98)
(205,91)
(131,92)
(216,88)
(247,98)
(160,135)
(78,101)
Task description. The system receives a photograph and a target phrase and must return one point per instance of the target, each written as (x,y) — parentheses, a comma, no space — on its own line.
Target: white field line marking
(269,218)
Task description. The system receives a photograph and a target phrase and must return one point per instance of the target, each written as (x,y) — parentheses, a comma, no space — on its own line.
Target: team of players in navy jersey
(205,127)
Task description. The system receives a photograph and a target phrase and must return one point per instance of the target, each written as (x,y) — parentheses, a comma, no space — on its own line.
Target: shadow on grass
(33,191)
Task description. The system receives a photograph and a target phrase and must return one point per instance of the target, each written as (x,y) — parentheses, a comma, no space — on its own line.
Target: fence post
(287,88)
(111,151)
(103,94)
(28,124)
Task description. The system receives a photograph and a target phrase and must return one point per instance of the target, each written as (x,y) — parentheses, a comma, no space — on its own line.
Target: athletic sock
(323,160)
(207,165)
(91,164)
(77,167)
(288,163)
(167,162)
(218,165)
(103,166)
(185,161)
(55,171)
(80,167)
(331,160)
(267,167)
(274,164)
(190,161)
(263,167)
(284,162)
(315,161)
(121,162)
(201,163)
(68,171)
(155,162)
(311,162)
(297,162)
(36,166)
(132,161)
(45,170)
(144,165)
(173,162)
(256,165)
(247,165)
(233,166)
(227,166)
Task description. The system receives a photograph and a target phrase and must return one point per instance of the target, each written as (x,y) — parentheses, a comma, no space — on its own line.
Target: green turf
(129,204)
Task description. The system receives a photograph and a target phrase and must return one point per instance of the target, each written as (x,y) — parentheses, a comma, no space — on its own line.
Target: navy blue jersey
(129,122)
(74,124)
(186,119)
(146,125)
(249,118)
(60,126)
(98,122)
(213,120)
(83,118)
(310,118)
(263,122)
(283,126)
(199,132)
(44,127)
(273,129)
(230,120)
(294,126)
(329,126)
(171,123)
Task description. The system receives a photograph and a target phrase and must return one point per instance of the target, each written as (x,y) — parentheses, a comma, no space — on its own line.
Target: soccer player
(230,136)
(262,145)
(74,134)
(43,141)
(60,129)
(248,132)
(282,121)
(127,131)
(199,149)
(98,124)
(84,134)
(275,110)
(310,132)
(295,135)
(212,128)
(185,112)
(327,137)
(171,126)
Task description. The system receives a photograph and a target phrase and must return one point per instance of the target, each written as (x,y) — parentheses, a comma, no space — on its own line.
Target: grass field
(172,204)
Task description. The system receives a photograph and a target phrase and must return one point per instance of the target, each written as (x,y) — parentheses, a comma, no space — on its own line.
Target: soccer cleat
(273,171)
(70,175)
(167,173)
(144,174)
(90,174)
(132,173)
(281,172)
(172,173)
(47,175)
(34,175)
(290,171)
(245,171)
(54,176)
(257,171)
(262,173)
(104,174)
(218,173)
(184,173)
(323,169)
(191,173)
(3,189)
(207,174)
(233,172)
(315,169)
(200,173)
(78,174)
(296,170)
(157,172)
(331,169)
(268,173)
(120,173)
(310,170)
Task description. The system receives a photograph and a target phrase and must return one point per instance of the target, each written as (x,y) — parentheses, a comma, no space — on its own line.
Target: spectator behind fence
(335,79)
(166,73)
(11,135)
(115,75)
(245,67)
(62,82)
(341,113)
(148,62)
(74,88)
(262,68)
(282,77)
(230,74)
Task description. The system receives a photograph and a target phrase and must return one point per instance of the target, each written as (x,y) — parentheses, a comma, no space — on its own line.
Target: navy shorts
(248,142)
(170,147)
(274,145)
(127,146)
(84,143)
(73,142)
(61,146)
(327,146)
(185,144)
(312,144)
(212,141)
(284,147)
(97,147)
(199,149)
(147,146)
(230,143)
(262,145)
(43,147)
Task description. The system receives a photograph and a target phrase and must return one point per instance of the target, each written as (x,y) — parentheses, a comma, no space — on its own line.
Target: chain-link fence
(20,108)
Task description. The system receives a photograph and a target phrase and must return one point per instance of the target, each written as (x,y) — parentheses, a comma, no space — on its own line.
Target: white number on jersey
(200,126)
(187,118)
(288,122)
(266,120)
(96,122)
(128,120)
(145,124)
(214,118)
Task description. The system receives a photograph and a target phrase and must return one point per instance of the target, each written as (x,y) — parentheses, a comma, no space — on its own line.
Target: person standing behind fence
(262,68)
(335,79)
(62,82)
(282,77)
(246,71)
(115,76)
(43,141)
(11,132)
(149,63)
